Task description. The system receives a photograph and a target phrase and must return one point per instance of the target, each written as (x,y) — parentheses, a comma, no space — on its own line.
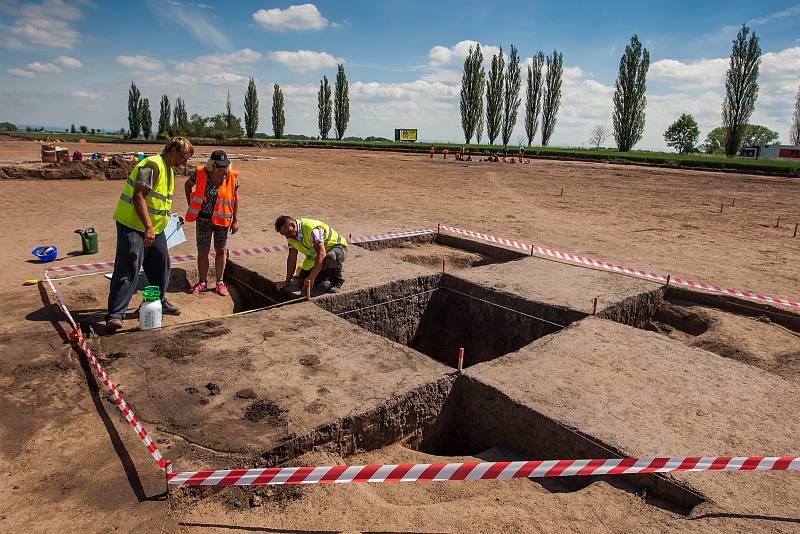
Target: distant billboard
(405,134)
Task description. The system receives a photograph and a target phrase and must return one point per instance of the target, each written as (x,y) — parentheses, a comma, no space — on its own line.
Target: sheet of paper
(174,231)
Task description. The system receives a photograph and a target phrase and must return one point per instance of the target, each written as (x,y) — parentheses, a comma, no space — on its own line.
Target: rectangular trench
(458,415)
(439,314)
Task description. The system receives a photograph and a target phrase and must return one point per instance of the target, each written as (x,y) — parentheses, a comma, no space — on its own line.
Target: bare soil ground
(70,463)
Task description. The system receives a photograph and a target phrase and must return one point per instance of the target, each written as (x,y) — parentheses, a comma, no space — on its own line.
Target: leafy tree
(472,84)
(794,135)
(83,129)
(533,96)
(251,109)
(552,94)
(134,110)
(278,117)
(754,135)
(511,99)
(229,117)
(146,120)
(324,107)
(9,127)
(180,118)
(72,129)
(164,117)
(479,126)
(682,135)
(598,134)
(93,131)
(341,103)
(494,96)
(629,96)
(741,88)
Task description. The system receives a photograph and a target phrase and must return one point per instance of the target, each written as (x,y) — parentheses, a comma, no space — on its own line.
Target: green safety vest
(159,200)
(332,238)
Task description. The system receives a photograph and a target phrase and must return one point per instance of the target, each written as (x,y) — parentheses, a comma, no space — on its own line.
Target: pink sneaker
(198,288)
(221,289)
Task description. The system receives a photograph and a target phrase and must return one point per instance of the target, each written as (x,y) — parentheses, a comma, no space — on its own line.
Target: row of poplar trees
(543,94)
(339,107)
(176,121)
(502,95)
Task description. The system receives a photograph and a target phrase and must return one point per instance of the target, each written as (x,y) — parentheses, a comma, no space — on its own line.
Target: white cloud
(301,17)
(69,62)
(42,68)
(21,73)
(444,55)
(197,23)
(304,60)
(140,62)
(778,15)
(85,95)
(47,24)
(700,73)
(240,57)
(223,78)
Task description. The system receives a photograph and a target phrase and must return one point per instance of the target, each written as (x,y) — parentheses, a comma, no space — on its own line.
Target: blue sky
(71,62)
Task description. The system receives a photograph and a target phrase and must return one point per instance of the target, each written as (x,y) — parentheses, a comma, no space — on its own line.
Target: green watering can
(88,240)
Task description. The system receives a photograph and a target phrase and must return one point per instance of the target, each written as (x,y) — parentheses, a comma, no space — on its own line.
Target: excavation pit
(439,314)
(432,250)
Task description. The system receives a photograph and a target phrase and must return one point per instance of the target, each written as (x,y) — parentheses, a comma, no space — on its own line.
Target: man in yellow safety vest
(141,214)
(323,247)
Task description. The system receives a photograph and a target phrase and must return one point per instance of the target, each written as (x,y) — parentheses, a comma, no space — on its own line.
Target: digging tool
(31,282)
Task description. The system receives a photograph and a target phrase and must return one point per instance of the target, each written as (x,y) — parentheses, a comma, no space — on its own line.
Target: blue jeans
(131,256)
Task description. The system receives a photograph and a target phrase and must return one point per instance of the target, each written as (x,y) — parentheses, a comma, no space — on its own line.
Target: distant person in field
(445,150)
(323,247)
(521,154)
(433,151)
(141,214)
(214,204)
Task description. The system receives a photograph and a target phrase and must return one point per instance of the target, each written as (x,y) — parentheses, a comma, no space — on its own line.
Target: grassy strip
(693,161)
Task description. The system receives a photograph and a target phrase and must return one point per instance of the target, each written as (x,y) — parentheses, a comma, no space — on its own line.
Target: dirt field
(703,380)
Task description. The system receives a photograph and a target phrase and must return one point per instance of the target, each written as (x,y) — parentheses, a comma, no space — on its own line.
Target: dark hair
(282,221)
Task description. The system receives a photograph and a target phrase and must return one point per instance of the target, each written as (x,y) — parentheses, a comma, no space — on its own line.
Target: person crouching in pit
(214,204)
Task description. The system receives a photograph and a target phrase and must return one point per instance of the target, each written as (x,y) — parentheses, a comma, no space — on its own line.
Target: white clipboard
(174,231)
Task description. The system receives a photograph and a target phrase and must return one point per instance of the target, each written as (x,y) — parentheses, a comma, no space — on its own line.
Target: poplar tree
(629,95)
(278,117)
(134,110)
(551,99)
(472,84)
(324,107)
(494,96)
(533,96)
(146,118)
(741,88)
(794,134)
(511,99)
(341,103)
(251,109)
(164,117)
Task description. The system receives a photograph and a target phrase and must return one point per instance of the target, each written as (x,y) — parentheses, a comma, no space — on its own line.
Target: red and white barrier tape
(591,262)
(77,336)
(180,258)
(342,474)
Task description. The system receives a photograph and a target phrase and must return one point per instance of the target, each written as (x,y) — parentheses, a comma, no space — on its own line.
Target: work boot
(336,286)
(167,308)
(113,324)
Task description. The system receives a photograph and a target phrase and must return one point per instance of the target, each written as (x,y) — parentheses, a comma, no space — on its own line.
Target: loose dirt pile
(116,169)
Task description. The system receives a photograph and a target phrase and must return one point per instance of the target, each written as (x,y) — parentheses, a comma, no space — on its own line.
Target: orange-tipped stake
(460,359)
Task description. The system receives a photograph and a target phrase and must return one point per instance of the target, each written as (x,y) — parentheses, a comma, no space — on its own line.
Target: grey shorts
(205,229)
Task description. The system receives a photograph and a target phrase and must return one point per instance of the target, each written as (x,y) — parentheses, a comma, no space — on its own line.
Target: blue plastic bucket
(45,254)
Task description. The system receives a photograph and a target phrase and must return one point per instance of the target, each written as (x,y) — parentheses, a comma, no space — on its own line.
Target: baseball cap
(220,158)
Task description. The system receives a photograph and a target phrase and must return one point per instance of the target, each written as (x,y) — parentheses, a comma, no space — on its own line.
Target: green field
(637,157)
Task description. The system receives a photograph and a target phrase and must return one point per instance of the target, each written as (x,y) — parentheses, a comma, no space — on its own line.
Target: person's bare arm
(235,221)
(291,264)
(187,187)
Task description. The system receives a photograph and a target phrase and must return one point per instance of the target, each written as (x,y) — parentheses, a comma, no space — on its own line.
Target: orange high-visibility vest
(223,208)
